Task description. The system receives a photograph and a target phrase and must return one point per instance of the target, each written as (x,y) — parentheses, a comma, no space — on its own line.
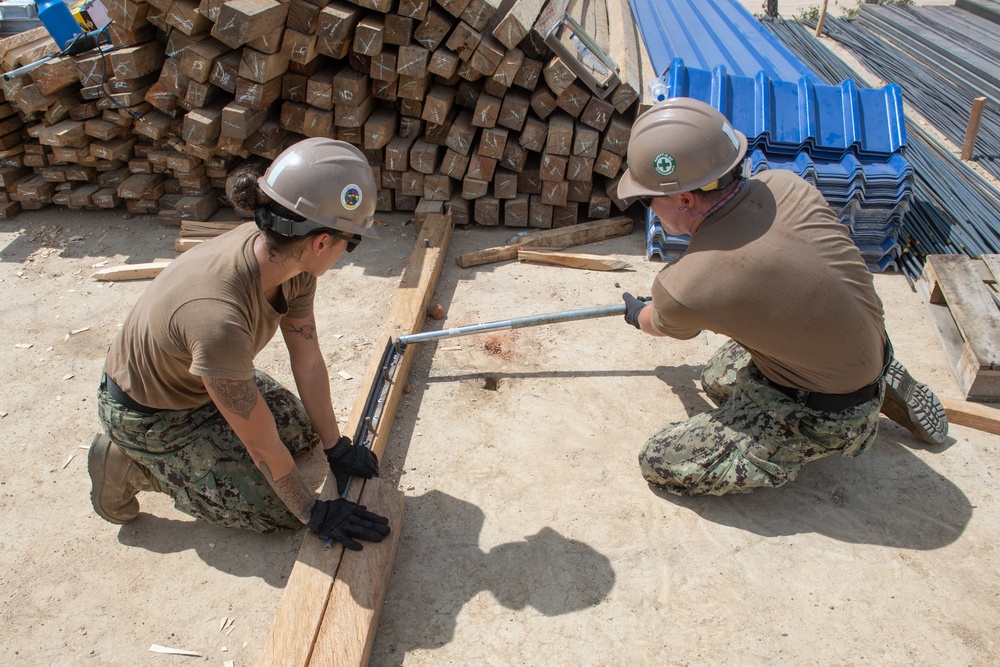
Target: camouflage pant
(198,458)
(758,437)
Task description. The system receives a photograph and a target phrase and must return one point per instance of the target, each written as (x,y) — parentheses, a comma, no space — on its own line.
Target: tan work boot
(914,406)
(115,479)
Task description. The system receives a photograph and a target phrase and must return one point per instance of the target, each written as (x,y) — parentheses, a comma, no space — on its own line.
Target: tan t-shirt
(204,315)
(777,272)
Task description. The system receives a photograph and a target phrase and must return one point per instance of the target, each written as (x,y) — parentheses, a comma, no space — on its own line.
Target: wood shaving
(156,648)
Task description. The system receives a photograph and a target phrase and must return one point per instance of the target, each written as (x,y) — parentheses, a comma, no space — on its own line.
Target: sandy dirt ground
(529,536)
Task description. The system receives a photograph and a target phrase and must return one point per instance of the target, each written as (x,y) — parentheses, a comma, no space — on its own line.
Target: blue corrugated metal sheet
(792,116)
(844,139)
(706,33)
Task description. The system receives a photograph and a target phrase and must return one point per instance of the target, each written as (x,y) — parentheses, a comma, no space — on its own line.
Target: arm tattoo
(292,491)
(307,330)
(238,396)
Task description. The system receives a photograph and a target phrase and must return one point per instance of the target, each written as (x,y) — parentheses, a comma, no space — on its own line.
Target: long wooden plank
(303,605)
(131,271)
(575,260)
(347,634)
(975,416)
(562,237)
(625,52)
(974,311)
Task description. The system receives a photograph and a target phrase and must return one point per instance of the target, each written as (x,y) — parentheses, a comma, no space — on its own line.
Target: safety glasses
(353,240)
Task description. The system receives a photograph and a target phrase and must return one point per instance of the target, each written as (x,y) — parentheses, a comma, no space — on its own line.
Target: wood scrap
(183,245)
(559,238)
(574,260)
(200,229)
(973,415)
(131,271)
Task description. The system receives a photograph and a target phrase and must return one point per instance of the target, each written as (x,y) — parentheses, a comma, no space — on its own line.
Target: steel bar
(954,210)
(516,323)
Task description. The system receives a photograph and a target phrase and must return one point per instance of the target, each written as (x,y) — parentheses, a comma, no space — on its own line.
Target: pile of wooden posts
(456,103)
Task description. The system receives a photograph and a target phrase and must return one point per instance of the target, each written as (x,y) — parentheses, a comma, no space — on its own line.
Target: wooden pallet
(960,292)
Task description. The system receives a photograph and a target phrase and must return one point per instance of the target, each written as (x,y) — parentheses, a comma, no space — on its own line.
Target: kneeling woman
(183,409)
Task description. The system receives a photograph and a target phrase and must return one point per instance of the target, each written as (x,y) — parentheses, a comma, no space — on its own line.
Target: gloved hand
(340,520)
(633,306)
(346,459)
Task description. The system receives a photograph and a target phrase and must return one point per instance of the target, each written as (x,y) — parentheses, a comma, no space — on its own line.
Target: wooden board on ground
(560,238)
(575,260)
(131,271)
(979,417)
(955,289)
(319,622)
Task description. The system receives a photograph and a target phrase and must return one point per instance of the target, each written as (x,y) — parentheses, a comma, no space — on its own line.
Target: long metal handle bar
(516,323)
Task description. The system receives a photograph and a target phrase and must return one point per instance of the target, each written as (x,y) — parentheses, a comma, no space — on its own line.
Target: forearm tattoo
(292,491)
(307,330)
(237,396)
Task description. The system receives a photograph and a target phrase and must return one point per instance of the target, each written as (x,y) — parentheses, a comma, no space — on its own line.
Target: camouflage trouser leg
(758,437)
(198,458)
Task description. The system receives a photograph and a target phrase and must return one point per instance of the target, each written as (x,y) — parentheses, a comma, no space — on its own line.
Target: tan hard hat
(327,182)
(680,145)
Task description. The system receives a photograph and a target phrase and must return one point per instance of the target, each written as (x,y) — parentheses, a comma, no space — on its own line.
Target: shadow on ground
(241,553)
(887,496)
(445,569)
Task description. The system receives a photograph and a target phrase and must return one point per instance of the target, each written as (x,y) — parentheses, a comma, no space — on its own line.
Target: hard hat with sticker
(664,164)
(351,196)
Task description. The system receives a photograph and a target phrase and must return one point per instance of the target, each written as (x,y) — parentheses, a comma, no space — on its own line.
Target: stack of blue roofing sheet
(847,141)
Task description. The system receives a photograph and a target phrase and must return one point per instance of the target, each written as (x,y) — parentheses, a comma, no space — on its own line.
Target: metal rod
(516,323)
(21,71)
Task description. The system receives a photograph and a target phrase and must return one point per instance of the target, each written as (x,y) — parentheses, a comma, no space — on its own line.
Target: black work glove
(346,459)
(633,306)
(340,520)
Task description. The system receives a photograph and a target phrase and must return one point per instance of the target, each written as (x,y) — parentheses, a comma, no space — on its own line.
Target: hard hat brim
(629,188)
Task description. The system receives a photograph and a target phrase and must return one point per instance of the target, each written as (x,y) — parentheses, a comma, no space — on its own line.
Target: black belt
(119,395)
(830,402)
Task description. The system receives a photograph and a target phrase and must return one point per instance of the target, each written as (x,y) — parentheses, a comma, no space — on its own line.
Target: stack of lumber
(457,104)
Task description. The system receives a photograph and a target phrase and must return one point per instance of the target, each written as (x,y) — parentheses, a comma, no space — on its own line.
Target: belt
(839,402)
(119,395)
(830,402)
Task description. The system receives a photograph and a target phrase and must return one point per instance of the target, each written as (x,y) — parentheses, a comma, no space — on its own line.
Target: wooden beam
(131,271)
(972,415)
(563,237)
(573,260)
(311,618)
(972,129)
(822,17)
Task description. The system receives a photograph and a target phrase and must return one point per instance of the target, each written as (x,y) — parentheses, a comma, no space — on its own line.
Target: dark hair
(245,193)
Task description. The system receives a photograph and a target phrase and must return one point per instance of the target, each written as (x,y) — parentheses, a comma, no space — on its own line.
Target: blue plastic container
(58,21)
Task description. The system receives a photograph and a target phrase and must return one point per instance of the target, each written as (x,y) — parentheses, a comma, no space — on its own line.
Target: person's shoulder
(783,177)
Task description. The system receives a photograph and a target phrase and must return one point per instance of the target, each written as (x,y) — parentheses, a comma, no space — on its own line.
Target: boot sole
(927,417)
(96,457)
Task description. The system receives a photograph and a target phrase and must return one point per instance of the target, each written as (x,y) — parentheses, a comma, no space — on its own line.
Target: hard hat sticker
(350,198)
(664,164)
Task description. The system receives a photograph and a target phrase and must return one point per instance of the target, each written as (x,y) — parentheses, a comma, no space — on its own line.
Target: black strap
(830,402)
(119,395)
(838,402)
